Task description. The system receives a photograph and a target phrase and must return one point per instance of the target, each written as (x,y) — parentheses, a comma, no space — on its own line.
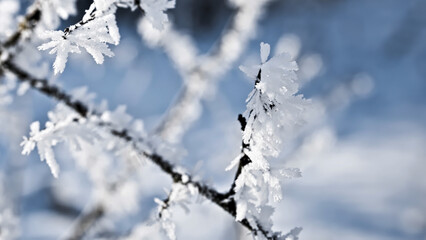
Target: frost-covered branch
(220,199)
(179,195)
(274,112)
(46,12)
(98,28)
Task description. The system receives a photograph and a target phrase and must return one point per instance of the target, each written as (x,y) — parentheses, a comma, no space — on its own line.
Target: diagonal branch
(220,199)
(43,86)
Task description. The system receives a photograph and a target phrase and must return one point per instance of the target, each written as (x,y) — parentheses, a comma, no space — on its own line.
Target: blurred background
(363,160)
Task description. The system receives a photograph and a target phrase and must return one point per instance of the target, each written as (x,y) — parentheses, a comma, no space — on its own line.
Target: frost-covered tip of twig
(97,29)
(274,112)
(179,195)
(66,125)
(61,130)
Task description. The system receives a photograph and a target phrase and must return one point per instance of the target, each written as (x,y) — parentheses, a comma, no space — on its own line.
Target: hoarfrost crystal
(96,30)
(180,195)
(88,134)
(274,112)
(94,36)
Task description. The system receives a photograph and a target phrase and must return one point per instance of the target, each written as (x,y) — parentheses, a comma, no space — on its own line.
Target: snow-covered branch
(274,112)
(97,29)
(220,199)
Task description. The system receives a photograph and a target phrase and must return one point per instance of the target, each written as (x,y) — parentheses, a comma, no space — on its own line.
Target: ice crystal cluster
(66,125)
(274,111)
(104,158)
(97,29)
(180,195)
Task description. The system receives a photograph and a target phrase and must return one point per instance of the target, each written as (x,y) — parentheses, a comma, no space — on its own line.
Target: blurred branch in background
(200,72)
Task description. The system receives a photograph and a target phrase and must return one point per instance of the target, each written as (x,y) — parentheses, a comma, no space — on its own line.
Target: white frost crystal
(60,128)
(180,195)
(274,112)
(94,37)
(96,30)
(65,125)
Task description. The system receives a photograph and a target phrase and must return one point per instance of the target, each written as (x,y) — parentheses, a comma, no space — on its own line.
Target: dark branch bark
(43,86)
(244,160)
